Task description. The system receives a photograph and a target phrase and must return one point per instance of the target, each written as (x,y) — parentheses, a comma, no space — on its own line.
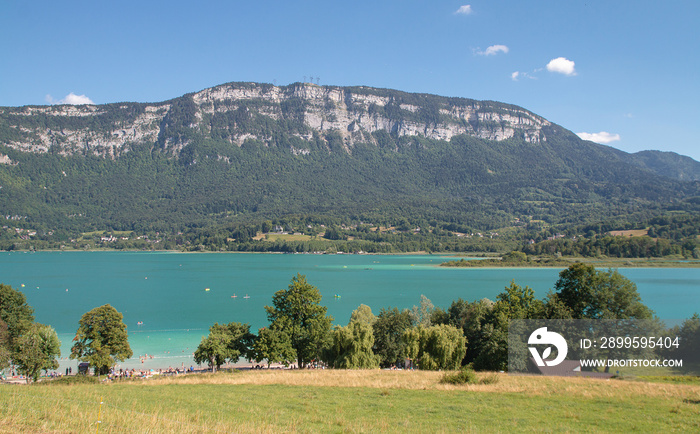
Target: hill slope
(668,164)
(243,151)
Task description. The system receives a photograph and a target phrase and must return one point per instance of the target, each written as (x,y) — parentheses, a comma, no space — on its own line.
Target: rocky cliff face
(357,112)
(237,112)
(70,129)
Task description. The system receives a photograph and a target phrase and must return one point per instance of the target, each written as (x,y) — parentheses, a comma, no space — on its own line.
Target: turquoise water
(167,291)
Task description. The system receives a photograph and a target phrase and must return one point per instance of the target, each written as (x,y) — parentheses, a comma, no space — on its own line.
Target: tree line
(674,235)
(466,333)
(30,347)
(300,332)
(618,247)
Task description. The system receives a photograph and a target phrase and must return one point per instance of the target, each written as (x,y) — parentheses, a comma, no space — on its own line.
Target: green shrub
(489,379)
(466,375)
(463,376)
(72,379)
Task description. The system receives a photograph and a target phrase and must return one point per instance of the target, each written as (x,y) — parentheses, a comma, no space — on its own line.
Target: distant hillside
(248,151)
(668,164)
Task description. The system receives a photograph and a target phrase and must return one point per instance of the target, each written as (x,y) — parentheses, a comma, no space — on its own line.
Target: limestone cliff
(237,112)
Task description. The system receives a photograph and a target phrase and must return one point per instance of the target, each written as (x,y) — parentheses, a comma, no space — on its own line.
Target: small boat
(206,289)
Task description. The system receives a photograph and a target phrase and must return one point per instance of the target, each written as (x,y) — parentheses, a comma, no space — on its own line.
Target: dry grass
(380,379)
(630,233)
(424,380)
(350,401)
(281,237)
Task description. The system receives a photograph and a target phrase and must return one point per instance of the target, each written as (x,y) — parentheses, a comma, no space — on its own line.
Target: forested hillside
(241,154)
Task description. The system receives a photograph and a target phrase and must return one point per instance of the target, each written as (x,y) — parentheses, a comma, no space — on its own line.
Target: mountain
(248,151)
(238,112)
(668,164)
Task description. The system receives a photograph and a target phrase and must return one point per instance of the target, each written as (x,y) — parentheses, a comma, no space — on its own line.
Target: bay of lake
(167,307)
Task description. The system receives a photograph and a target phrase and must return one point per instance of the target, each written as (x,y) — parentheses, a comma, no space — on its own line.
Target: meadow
(351,401)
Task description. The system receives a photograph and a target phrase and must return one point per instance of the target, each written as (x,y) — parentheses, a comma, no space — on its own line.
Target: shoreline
(477,262)
(146,373)
(454,256)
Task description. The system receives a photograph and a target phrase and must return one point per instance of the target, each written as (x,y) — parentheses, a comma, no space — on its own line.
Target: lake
(167,292)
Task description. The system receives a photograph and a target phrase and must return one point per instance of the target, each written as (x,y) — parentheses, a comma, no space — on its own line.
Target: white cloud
(74,99)
(517,75)
(602,137)
(71,98)
(464,10)
(493,50)
(561,65)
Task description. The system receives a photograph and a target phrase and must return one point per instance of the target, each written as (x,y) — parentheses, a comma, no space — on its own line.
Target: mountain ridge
(354,112)
(242,151)
(669,164)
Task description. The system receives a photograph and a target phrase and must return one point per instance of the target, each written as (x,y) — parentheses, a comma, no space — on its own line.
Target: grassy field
(351,401)
(282,237)
(629,233)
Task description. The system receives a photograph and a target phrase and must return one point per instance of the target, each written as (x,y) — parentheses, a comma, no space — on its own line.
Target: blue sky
(625,72)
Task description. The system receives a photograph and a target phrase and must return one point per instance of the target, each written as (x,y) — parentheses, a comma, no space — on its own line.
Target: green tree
(688,350)
(213,348)
(592,294)
(690,337)
(351,347)
(266,226)
(363,314)
(274,346)
(333,233)
(15,312)
(296,311)
(421,315)
(225,342)
(515,302)
(101,339)
(37,350)
(473,319)
(515,257)
(5,353)
(388,330)
(439,316)
(242,341)
(436,347)
(493,347)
